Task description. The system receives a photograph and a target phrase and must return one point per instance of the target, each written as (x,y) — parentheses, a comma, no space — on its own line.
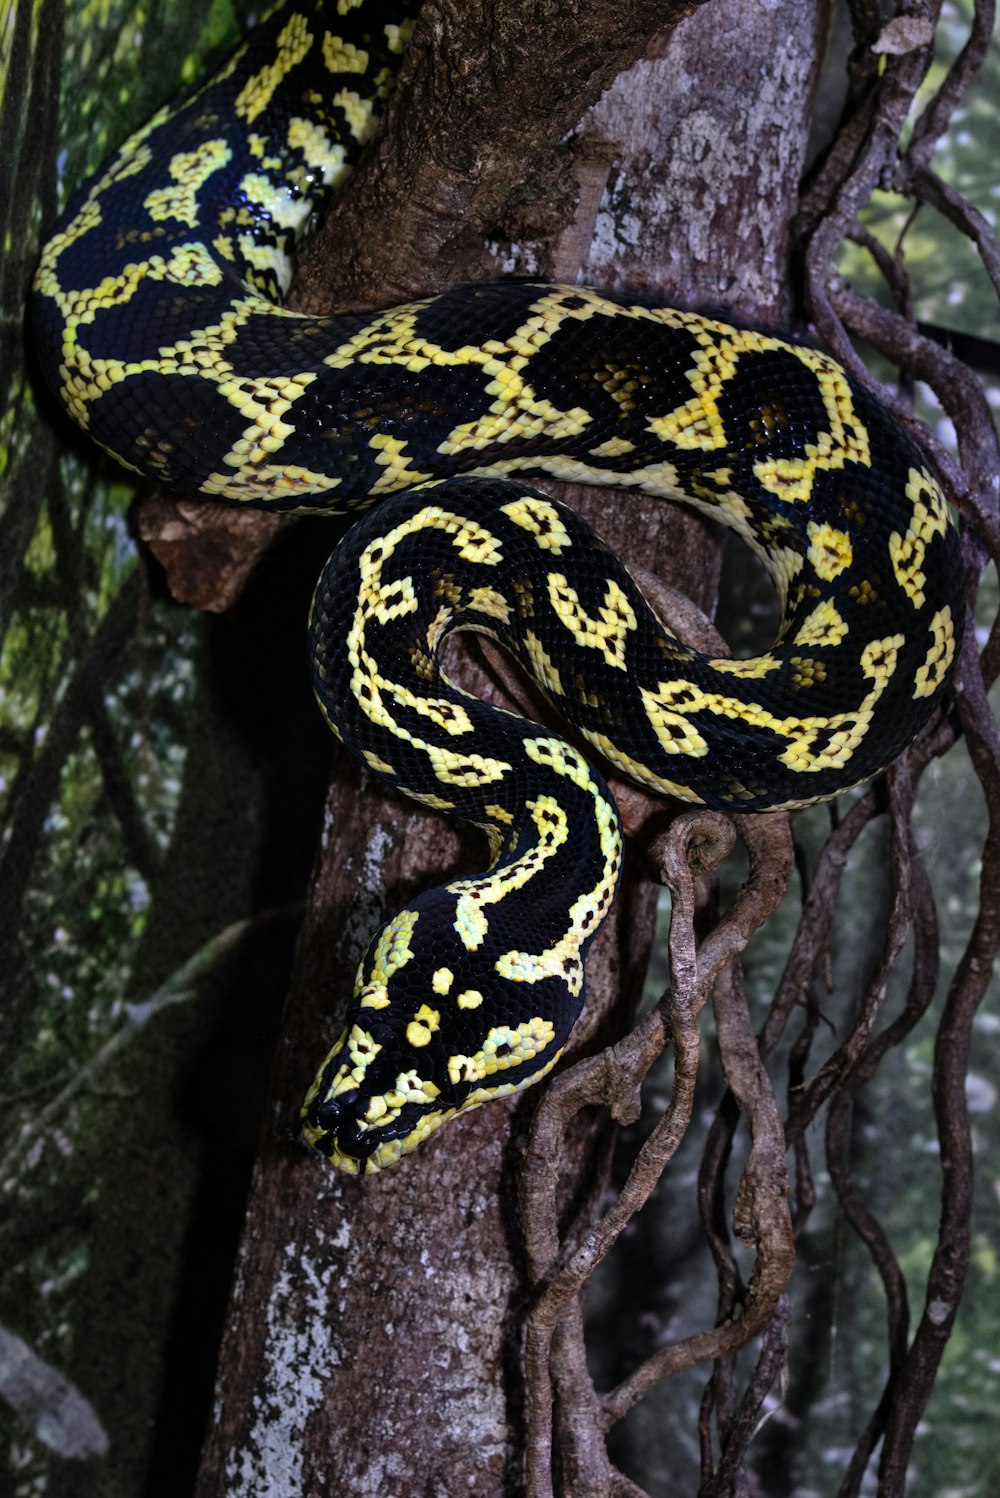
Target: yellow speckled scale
(158,327)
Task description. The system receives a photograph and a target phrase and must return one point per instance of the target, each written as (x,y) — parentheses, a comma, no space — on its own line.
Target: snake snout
(336,1118)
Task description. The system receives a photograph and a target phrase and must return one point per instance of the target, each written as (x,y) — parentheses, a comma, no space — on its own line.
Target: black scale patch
(171,435)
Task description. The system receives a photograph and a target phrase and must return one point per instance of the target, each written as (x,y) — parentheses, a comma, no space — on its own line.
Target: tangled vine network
(773,1203)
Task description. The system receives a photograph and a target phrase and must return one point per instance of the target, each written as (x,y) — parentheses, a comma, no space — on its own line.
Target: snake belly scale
(159,327)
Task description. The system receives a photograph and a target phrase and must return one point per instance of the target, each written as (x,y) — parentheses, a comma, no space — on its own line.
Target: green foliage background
(136,781)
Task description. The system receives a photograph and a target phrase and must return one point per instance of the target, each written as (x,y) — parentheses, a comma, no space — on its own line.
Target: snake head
(424,1041)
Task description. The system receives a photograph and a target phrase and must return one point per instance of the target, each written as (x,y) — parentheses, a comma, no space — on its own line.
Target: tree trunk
(374,1331)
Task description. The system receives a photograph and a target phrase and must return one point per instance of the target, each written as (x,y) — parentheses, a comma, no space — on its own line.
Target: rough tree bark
(375,1327)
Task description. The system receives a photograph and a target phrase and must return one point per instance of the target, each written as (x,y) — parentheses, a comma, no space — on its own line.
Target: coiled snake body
(157,321)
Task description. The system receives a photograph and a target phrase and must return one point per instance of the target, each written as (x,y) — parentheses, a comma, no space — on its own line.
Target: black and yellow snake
(156,316)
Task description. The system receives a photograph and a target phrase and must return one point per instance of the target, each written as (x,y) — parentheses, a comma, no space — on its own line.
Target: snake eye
(332,1111)
(327,1115)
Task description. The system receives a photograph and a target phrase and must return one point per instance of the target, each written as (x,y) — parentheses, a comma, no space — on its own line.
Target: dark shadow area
(257,675)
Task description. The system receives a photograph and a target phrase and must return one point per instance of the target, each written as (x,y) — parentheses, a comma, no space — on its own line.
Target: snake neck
(472,990)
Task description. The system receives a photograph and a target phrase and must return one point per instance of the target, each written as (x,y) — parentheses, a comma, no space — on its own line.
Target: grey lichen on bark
(717,127)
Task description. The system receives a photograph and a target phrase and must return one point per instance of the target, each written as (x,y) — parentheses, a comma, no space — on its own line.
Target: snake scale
(158,320)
